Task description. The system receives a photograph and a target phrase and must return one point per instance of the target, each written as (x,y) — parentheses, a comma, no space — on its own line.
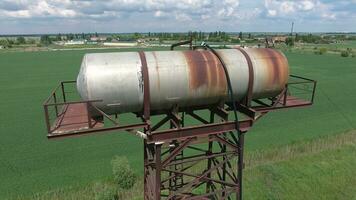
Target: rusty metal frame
(213,171)
(51,127)
(281,100)
(146,86)
(184,160)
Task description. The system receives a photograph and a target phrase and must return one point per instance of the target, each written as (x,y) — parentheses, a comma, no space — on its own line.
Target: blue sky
(64,16)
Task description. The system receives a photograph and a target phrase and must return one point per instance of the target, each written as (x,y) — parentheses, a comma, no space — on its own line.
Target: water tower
(192,109)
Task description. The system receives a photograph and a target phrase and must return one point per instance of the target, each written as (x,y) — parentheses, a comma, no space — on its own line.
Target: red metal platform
(75,117)
(72,117)
(292,101)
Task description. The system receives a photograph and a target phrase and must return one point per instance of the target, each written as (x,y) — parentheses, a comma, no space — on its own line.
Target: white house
(98,39)
(120,44)
(75,42)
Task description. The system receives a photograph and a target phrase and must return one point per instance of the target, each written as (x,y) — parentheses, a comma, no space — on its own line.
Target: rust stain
(282,68)
(211,78)
(220,83)
(198,71)
(276,66)
(205,70)
(157,70)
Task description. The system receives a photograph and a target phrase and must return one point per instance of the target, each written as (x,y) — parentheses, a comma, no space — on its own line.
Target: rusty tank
(179,78)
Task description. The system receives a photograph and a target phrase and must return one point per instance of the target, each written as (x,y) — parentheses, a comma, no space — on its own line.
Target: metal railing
(301,89)
(56,104)
(306,85)
(55,107)
(298,92)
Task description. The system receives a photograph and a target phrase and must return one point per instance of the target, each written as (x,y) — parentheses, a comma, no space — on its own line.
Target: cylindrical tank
(183,78)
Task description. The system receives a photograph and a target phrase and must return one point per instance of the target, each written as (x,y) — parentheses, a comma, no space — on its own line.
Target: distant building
(75,42)
(120,44)
(141,41)
(91,42)
(115,40)
(153,39)
(98,39)
(269,42)
(279,39)
(59,42)
(261,39)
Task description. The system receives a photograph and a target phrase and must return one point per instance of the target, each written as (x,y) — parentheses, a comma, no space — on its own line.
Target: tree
(46,40)
(20,40)
(124,176)
(137,35)
(345,54)
(31,41)
(59,37)
(290,41)
(240,35)
(5,43)
(70,36)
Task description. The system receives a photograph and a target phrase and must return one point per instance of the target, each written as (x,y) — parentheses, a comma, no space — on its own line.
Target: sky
(120,16)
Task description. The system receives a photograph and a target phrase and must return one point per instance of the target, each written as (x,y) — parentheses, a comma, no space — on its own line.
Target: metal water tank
(183,78)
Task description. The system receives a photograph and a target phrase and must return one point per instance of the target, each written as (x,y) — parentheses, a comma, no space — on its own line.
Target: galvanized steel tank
(183,78)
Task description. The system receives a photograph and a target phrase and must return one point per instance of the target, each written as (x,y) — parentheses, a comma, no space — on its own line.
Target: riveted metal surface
(178,78)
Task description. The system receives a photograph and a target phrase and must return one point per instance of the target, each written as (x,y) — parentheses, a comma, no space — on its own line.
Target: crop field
(29,163)
(321,168)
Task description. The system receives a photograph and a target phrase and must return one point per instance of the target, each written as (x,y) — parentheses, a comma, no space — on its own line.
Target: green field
(31,164)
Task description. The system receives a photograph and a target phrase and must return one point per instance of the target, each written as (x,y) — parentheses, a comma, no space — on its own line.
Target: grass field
(31,164)
(321,168)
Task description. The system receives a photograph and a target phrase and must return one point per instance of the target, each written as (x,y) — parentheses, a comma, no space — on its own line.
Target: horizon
(121,33)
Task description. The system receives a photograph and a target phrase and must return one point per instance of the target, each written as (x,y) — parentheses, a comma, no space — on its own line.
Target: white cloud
(205,16)
(306,5)
(159,13)
(228,9)
(179,14)
(39,8)
(301,9)
(182,17)
(184,9)
(287,7)
(272,13)
(328,16)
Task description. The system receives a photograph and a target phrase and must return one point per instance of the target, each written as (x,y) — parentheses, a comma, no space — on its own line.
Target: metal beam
(197,131)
